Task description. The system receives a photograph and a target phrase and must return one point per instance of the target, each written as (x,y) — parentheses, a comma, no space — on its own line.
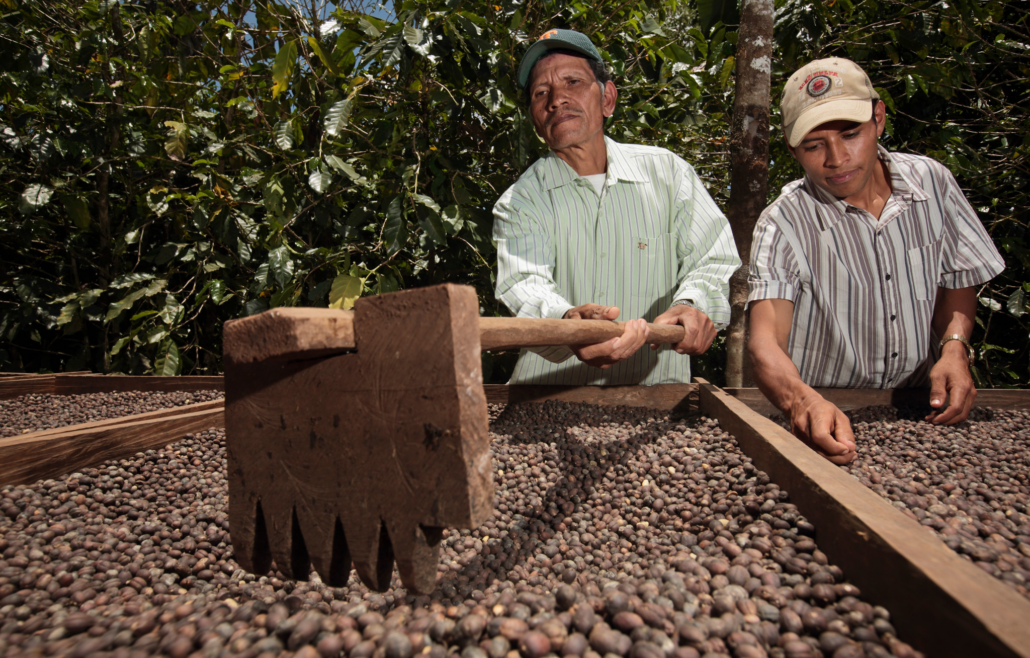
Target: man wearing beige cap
(863,273)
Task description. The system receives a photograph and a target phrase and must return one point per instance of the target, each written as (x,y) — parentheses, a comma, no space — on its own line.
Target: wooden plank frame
(75,383)
(856,398)
(52,453)
(940,603)
(678,398)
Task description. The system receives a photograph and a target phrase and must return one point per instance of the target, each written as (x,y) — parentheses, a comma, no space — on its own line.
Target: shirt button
(894,356)
(893,318)
(604,255)
(888,277)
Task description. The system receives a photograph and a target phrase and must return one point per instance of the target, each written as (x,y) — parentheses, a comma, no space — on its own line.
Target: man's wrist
(956,344)
(685,302)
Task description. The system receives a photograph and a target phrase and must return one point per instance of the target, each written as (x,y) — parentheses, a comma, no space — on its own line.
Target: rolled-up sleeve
(707,255)
(773,272)
(969,257)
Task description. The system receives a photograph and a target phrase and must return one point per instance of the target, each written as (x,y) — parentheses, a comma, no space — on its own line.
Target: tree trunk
(749,162)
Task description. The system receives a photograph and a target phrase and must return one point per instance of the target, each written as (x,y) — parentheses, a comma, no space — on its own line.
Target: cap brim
(537,50)
(858,111)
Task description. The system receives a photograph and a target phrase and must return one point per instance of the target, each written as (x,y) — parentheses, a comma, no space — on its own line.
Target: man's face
(841,156)
(566,103)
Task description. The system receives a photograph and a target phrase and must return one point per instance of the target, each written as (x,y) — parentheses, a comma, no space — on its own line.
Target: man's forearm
(777,376)
(954,312)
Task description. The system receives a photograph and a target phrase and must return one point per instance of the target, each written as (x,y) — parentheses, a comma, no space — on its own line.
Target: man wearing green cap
(598,229)
(863,273)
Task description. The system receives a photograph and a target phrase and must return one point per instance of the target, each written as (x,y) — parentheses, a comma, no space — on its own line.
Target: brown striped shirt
(864,288)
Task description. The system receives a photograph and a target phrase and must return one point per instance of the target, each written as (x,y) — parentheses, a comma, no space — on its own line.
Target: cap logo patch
(548,35)
(819,85)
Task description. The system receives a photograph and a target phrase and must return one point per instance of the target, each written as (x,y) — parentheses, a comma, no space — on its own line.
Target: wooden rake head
(359,457)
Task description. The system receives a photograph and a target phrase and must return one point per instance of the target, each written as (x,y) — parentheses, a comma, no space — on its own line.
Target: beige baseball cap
(833,89)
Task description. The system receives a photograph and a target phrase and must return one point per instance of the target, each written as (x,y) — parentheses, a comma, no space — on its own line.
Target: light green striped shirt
(654,236)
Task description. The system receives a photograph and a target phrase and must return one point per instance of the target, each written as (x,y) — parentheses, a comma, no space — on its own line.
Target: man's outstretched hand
(952,392)
(824,427)
(605,355)
(698,329)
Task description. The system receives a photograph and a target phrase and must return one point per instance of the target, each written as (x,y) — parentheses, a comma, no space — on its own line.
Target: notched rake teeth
(363,457)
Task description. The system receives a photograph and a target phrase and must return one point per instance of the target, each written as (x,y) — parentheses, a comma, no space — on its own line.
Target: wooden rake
(357,436)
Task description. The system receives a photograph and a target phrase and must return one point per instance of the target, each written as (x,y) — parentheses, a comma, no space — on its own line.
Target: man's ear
(608,98)
(880,114)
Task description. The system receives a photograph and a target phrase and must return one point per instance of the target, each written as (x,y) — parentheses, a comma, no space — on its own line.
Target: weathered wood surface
(679,398)
(940,603)
(287,333)
(307,333)
(848,399)
(52,453)
(77,383)
(363,457)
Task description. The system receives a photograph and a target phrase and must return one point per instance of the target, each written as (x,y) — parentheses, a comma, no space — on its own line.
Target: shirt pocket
(653,265)
(923,270)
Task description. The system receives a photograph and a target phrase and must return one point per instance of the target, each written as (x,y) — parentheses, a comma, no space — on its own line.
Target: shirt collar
(555,172)
(902,186)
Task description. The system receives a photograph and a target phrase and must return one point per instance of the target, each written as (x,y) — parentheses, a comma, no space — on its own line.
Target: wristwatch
(685,302)
(959,337)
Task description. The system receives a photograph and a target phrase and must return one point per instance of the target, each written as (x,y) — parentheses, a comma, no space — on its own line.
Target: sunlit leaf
(34,197)
(337,163)
(1017,303)
(323,55)
(282,68)
(167,363)
(281,265)
(284,135)
(338,116)
(319,180)
(345,291)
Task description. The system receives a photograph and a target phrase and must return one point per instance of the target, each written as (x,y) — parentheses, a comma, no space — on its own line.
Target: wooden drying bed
(940,603)
(52,453)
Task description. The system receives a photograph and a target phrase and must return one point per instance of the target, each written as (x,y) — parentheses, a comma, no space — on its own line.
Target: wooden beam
(53,453)
(848,399)
(78,383)
(940,603)
(13,387)
(680,398)
(75,385)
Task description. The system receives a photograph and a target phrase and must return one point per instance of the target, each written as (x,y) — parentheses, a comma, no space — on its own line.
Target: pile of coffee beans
(616,533)
(969,482)
(33,413)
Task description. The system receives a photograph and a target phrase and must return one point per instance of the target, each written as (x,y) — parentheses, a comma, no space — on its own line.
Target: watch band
(962,339)
(684,302)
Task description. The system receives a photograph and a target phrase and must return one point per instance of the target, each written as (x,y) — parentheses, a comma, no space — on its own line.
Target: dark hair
(601,75)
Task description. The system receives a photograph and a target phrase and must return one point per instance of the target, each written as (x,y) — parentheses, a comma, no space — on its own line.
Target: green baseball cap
(551,40)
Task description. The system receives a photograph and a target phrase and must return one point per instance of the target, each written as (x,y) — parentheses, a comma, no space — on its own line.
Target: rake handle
(512,333)
(292,333)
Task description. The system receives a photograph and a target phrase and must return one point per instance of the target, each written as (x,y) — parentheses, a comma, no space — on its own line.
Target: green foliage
(165,167)
(169,166)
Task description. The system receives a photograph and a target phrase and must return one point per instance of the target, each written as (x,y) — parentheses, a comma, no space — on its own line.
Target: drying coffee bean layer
(33,413)
(618,532)
(969,482)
